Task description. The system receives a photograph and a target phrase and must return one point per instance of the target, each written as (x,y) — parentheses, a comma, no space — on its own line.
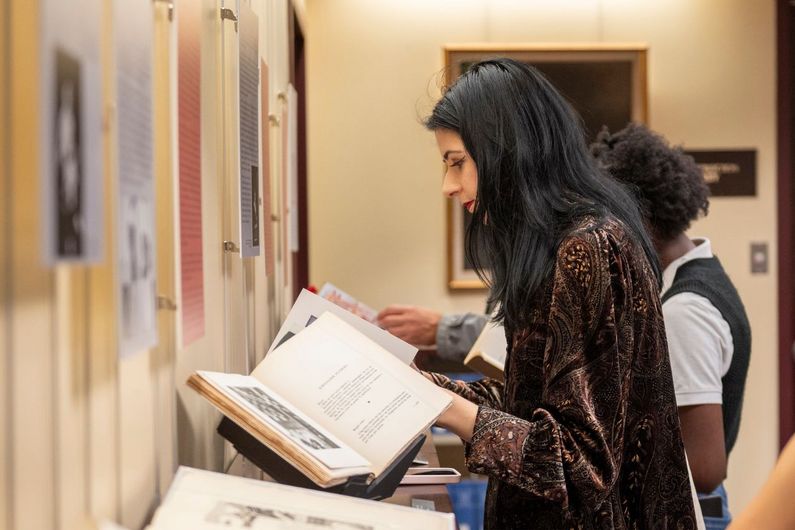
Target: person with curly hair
(709,337)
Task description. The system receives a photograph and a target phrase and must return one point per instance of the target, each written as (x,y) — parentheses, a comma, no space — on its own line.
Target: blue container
(467,377)
(468,498)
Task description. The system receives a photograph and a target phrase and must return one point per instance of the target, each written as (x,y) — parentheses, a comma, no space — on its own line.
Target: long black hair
(536,178)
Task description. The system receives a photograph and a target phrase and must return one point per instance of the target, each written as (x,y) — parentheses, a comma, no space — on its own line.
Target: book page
(309,306)
(203,500)
(353,388)
(281,415)
(491,344)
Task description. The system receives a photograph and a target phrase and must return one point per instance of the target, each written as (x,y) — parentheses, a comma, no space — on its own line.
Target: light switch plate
(759,258)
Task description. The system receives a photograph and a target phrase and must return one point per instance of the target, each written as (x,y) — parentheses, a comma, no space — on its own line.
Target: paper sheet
(71,132)
(136,209)
(309,306)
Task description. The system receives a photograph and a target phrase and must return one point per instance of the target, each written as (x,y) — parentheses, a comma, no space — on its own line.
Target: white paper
(332,293)
(280,415)
(71,132)
(136,208)
(203,500)
(310,306)
(249,131)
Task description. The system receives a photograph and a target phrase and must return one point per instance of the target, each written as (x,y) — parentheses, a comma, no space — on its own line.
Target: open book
(487,355)
(203,500)
(330,401)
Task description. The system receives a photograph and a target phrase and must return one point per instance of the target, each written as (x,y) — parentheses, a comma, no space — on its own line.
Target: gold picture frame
(605,83)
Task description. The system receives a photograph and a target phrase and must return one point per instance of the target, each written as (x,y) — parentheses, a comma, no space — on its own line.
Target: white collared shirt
(700,343)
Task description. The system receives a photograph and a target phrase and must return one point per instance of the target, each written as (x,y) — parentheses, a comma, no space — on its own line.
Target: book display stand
(282,471)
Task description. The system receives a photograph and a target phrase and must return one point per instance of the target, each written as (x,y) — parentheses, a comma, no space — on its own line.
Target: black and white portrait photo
(70,135)
(298,429)
(67,157)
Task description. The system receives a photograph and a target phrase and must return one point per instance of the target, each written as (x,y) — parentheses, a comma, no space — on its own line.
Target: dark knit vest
(706,277)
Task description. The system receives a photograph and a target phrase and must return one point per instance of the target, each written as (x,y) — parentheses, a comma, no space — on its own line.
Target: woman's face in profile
(461,174)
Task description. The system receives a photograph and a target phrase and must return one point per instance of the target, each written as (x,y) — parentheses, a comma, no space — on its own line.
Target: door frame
(298,79)
(785,43)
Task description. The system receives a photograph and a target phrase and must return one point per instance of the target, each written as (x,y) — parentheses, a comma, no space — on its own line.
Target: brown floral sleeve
(571,442)
(484,392)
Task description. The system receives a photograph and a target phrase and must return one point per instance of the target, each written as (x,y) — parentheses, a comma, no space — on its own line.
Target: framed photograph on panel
(605,83)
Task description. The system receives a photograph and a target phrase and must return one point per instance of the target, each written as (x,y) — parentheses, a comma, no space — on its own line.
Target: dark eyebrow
(448,153)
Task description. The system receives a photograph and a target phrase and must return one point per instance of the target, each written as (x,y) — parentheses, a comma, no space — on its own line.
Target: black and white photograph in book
(234,515)
(67,157)
(298,429)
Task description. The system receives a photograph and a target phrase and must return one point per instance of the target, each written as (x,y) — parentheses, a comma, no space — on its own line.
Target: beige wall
(376,212)
(86,435)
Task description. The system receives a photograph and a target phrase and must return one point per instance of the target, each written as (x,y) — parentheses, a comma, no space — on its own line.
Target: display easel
(283,472)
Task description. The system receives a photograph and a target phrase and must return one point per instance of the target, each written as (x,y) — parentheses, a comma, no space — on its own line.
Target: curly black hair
(668,183)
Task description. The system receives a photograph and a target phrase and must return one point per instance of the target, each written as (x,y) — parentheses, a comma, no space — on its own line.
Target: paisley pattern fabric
(584,433)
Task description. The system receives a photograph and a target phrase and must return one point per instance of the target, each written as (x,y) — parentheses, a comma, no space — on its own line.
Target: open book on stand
(487,355)
(331,403)
(203,500)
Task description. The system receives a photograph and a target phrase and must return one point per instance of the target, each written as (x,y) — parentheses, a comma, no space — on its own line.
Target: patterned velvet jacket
(584,433)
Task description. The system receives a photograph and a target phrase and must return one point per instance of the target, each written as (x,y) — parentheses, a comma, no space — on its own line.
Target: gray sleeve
(457,333)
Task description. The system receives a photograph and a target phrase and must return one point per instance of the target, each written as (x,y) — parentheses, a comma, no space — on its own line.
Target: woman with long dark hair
(584,431)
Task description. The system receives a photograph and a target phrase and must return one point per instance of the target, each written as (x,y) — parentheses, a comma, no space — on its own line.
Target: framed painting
(605,83)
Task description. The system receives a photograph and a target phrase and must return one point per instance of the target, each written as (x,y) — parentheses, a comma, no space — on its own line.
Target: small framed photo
(605,83)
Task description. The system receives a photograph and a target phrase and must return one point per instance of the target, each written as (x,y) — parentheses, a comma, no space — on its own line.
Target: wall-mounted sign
(249,131)
(728,173)
(190,170)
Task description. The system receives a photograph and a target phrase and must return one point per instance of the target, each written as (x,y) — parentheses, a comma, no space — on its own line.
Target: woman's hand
(460,417)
